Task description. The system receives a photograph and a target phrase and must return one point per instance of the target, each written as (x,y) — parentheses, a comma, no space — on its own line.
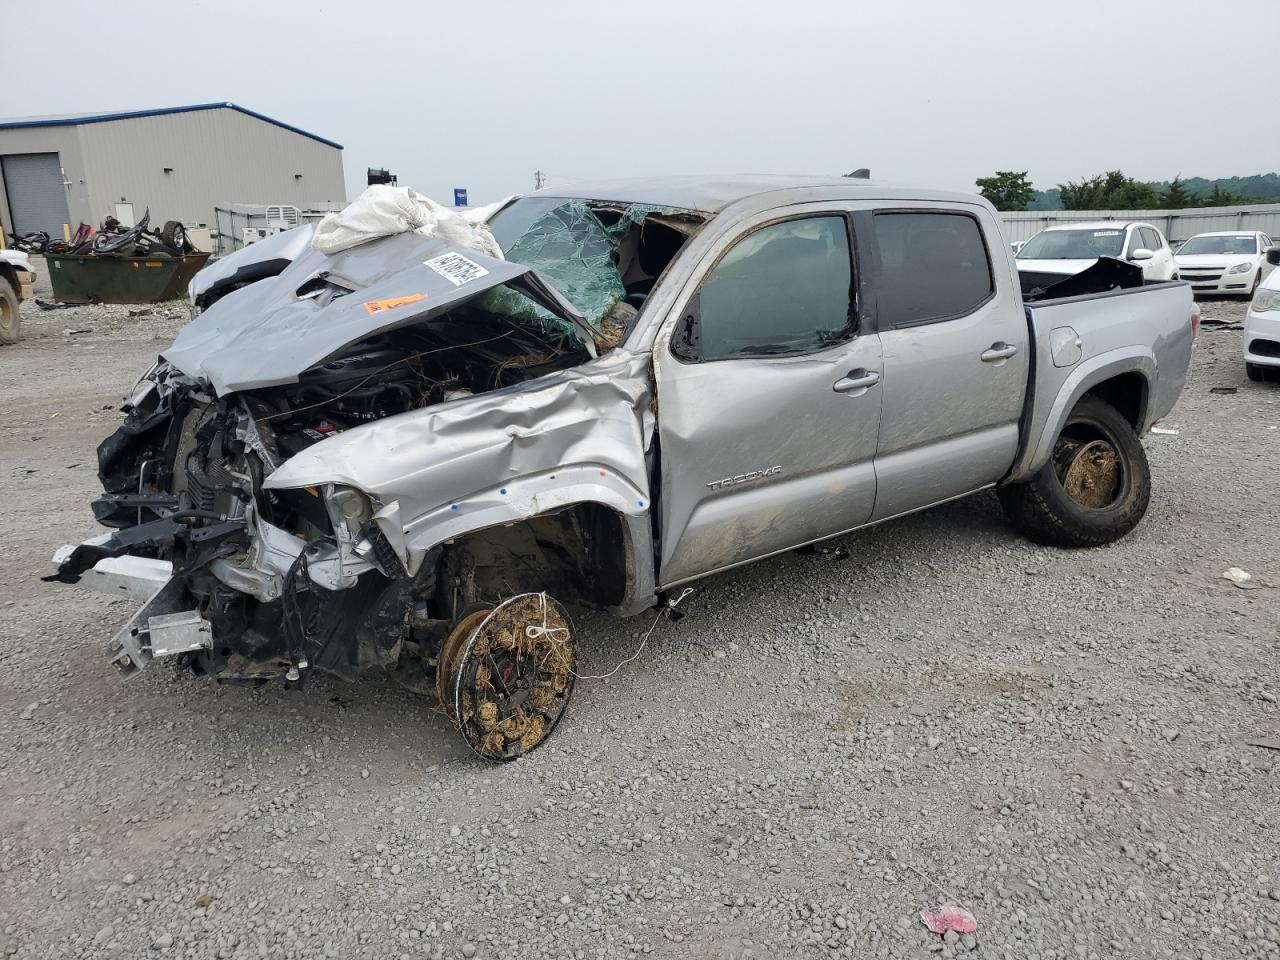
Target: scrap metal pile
(112,239)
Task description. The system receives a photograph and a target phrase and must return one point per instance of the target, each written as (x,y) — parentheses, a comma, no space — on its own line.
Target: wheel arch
(613,517)
(1121,377)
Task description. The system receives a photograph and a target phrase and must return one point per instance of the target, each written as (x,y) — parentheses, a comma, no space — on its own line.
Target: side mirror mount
(687,342)
(1273,256)
(1142,253)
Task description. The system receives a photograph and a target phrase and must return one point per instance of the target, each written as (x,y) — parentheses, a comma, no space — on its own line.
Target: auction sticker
(378,306)
(1106,233)
(456,268)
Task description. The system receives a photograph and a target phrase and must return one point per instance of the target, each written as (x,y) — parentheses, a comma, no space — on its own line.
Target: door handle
(858,380)
(998,351)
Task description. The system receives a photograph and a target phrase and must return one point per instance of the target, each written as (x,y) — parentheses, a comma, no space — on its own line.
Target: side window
(784,289)
(1135,241)
(1266,242)
(1151,239)
(933,266)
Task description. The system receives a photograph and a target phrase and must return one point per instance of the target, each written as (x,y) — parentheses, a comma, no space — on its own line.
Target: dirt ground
(1057,740)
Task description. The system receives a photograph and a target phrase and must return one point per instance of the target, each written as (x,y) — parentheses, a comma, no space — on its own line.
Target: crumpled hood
(265,334)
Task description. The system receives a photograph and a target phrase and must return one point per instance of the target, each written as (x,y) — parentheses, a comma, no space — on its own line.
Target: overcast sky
(481,94)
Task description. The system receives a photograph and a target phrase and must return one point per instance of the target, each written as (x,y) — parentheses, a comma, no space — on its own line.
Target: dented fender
(576,436)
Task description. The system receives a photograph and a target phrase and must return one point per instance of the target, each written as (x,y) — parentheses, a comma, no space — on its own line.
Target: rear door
(955,349)
(768,396)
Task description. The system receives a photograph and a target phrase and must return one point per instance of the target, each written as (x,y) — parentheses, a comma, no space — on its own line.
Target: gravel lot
(1056,740)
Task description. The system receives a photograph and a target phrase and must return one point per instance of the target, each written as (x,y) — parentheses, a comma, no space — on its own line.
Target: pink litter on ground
(944,917)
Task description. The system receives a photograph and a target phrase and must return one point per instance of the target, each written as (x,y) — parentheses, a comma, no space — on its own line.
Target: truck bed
(1083,334)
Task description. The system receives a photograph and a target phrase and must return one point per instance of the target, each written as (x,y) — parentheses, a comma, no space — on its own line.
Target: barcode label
(456,268)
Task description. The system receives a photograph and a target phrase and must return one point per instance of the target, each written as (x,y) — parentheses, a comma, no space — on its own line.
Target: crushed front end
(244,583)
(397,458)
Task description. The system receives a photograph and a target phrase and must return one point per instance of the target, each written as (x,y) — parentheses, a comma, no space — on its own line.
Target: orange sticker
(377,306)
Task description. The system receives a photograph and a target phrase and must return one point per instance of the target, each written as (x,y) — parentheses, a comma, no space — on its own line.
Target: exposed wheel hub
(506,674)
(1091,472)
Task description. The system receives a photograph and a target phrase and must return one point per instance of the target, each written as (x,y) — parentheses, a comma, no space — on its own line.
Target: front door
(769,400)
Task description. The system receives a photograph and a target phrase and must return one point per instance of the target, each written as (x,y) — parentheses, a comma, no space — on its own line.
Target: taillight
(1195,319)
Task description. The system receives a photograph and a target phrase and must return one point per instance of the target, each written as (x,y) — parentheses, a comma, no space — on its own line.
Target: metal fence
(1177,225)
(233,219)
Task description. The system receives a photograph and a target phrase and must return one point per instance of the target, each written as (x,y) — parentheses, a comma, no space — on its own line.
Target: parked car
(1070,248)
(1262,325)
(1225,261)
(16,281)
(406,456)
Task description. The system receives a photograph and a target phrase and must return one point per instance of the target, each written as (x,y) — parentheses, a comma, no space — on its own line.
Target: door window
(933,266)
(783,289)
(1135,241)
(1151,239)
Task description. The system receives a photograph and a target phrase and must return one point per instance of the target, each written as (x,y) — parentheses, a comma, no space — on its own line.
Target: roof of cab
(712,193)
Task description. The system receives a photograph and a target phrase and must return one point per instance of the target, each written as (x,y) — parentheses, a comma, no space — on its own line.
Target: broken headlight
(348,509)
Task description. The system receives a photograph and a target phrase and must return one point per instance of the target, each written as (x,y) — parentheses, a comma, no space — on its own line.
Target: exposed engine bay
(258,579)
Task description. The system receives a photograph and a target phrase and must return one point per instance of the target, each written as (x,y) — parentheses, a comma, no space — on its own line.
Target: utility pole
(539,179)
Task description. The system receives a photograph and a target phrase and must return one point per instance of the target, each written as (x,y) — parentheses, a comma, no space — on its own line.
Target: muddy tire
(1095,487)
(9,317)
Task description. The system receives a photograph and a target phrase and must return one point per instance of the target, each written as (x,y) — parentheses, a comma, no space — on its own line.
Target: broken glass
(572,244)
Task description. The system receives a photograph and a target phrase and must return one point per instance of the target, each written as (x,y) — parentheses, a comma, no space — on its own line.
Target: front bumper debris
(160,628)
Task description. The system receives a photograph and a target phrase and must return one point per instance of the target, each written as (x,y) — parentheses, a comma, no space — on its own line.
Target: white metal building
(181,162)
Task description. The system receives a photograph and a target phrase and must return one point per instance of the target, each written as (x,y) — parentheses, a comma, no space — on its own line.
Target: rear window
(933,266)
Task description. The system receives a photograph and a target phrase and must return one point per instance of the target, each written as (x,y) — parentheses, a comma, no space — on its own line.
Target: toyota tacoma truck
(414,458)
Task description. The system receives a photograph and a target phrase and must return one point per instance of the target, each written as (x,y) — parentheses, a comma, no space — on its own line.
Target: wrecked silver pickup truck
(408,456)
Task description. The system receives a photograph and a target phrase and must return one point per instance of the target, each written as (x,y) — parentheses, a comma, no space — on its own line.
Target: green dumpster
(111,279)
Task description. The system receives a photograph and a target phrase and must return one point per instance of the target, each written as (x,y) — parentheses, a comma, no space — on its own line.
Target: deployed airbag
(383,211)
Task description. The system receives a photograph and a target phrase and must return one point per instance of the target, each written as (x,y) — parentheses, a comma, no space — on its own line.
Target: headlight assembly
(348,508)
(1266,300)
(1241,268)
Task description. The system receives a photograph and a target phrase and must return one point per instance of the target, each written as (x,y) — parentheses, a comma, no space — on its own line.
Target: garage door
(37,198)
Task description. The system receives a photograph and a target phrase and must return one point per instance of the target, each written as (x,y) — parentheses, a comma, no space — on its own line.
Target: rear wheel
(1095,487)
(9,318)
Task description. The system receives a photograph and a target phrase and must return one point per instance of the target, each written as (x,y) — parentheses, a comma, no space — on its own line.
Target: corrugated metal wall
(214,156)
(1176,224)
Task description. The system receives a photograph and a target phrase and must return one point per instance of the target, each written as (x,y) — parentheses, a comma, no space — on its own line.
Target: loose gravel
(822,746)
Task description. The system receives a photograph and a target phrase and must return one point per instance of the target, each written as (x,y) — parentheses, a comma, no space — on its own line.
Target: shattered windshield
(578,247)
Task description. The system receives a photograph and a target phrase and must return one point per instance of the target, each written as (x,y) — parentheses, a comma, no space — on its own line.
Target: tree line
(1011,190)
